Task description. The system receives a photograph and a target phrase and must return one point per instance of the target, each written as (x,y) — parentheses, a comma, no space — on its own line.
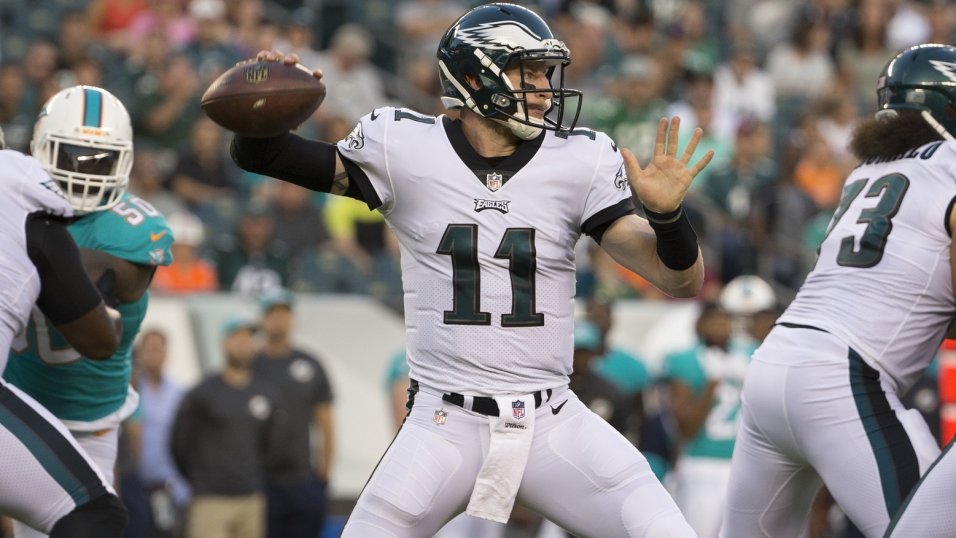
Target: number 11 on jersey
(460,241)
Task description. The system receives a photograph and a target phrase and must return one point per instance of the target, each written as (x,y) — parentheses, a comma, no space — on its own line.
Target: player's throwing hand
(279,56)
(662,184)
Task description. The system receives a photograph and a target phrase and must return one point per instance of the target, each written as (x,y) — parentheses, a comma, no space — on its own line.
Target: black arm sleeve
(289,157)
(602,220)
(66,293)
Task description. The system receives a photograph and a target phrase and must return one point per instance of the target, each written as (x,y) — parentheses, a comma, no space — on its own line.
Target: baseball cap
(276,297)
(239,322)
(586,336)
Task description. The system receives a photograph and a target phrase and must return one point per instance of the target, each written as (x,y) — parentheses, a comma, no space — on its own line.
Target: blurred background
(776,85)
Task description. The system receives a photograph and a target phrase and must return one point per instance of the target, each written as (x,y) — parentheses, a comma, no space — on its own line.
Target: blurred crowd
(777,86)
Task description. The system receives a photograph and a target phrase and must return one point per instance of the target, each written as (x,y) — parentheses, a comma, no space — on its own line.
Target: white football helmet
(746,295)
(84,139)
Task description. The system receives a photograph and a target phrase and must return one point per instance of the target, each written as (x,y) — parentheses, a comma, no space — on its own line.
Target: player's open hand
(279,56)
(661,185)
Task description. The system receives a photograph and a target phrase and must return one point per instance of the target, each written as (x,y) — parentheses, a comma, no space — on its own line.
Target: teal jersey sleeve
(397,369)
(133,230)
(684,366)
(624,370)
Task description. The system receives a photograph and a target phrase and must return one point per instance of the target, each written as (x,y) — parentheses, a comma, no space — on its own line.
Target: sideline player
(820,402)
(45,478)
(487,210)
(84,140)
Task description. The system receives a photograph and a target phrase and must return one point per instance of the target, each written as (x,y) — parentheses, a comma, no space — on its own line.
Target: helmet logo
(506,35)
(948,69)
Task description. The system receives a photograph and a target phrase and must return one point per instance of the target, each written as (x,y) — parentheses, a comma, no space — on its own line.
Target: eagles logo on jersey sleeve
(38,192)
(609,190)
(132,230)
(364,154)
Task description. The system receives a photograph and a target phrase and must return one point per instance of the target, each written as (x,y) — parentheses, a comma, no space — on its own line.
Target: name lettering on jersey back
(497,205)
(911,154)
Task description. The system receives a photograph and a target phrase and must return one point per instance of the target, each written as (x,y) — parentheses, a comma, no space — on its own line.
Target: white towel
(511,434)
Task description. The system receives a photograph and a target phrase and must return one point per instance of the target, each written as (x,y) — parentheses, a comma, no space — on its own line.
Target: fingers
(659,144)
(672,136)
(317,73)
(704,161)
(277,56)
(630,161)
(691,146)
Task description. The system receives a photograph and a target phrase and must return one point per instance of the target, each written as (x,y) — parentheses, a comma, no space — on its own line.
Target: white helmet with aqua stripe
(84,139)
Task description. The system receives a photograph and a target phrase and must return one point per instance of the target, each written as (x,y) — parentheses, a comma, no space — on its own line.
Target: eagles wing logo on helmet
(948,69)
(506,35)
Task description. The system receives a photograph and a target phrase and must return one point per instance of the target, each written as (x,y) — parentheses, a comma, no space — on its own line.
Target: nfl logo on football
(517,409)
(494,181)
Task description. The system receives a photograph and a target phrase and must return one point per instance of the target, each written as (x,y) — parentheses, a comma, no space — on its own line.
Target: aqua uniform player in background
(83,139)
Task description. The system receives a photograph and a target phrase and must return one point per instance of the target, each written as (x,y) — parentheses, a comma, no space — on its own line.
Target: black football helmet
(482,44)
(923,78)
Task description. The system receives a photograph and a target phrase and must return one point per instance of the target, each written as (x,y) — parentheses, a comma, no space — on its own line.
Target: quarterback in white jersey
(487,209)
(46,480)
(820,398)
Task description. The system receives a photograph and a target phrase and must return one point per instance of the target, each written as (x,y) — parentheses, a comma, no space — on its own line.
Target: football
(263,99)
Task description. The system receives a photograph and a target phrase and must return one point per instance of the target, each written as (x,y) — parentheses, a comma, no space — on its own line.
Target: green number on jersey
(460,241)
(878,219)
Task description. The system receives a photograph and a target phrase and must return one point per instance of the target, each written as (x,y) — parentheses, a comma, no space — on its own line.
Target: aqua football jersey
(716,437)
(44,366)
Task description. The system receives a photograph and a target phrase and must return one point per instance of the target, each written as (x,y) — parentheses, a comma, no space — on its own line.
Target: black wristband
(676,239)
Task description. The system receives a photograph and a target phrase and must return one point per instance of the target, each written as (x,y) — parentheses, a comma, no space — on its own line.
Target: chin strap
(521,130)
(937,126)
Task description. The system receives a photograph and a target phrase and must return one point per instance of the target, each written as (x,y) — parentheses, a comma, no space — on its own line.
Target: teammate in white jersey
(820,402)
(487,210)
(46,480)
(927,512)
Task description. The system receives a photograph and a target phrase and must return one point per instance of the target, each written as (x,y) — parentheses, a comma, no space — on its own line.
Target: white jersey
(882,282)
(487,248)
(24,189)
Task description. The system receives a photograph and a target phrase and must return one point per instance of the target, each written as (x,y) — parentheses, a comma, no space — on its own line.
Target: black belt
(488,406)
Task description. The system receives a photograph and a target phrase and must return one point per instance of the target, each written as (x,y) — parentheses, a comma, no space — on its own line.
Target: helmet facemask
(92,175)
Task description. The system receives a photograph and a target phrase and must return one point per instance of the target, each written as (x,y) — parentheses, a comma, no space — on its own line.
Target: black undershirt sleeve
(289,157)
(66,293)
(599,222)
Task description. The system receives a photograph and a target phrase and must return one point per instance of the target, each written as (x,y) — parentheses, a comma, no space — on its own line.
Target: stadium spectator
(189,272)
(354,85)
(220,440)
(298,469)
(863,54)
(299,221)
(802,68)
(165,105)
(740,191)
(210,50)
(742,91)
(160,398)
(248,262)
(204,175)
(631,118)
